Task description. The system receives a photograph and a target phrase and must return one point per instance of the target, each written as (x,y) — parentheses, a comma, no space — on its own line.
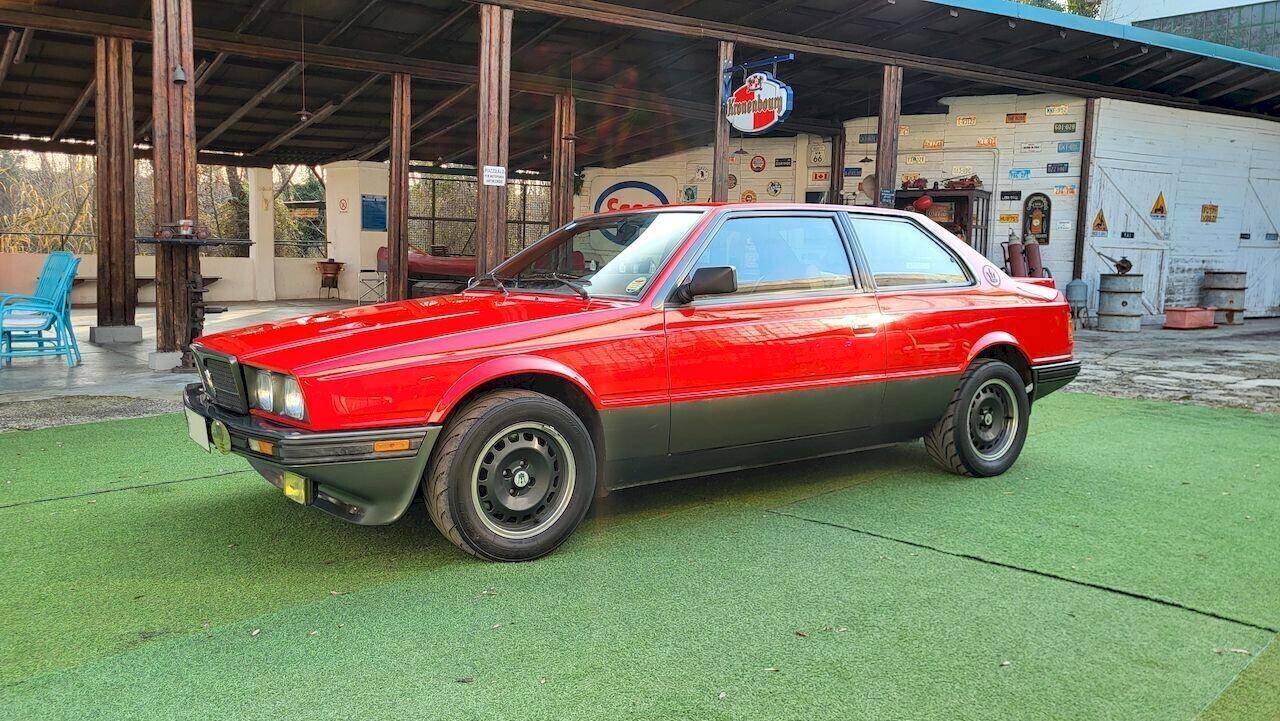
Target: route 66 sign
(761,102)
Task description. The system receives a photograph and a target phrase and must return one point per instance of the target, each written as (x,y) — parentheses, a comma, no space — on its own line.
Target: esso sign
(629,195)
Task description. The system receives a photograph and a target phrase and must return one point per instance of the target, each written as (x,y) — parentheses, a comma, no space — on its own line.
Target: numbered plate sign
(1019,173)
(1056,168)
(987,141)
(1015,118)
(965,121)
(1064,127)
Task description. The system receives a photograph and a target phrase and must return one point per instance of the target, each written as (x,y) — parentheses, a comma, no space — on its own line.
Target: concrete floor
(1229,366)
(114,381)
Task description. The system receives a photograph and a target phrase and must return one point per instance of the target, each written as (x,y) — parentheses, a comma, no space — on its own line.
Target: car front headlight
(277,393)
(293,406)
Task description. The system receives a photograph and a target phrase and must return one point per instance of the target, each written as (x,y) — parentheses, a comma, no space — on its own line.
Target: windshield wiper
(489,276)
(569,283)
(565,281)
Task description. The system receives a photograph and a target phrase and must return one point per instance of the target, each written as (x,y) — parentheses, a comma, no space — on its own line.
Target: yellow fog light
(390,446)
(266,448)
(220,436)
(295,487)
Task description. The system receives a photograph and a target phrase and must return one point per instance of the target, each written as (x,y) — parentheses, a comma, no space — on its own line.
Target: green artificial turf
(70,460)
(143,602)
(1174,502)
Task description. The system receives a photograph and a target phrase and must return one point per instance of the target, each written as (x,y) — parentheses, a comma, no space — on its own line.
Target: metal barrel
(1120,303)
(1224,291)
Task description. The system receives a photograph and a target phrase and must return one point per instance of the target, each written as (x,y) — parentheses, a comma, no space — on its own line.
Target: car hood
(328,339)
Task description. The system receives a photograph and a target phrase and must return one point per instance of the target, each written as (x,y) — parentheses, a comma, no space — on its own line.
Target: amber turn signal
(401,444)
(266,448)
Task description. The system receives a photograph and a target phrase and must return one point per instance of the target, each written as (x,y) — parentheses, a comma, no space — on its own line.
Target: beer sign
(760,103)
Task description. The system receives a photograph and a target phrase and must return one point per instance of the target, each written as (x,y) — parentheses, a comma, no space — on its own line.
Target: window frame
(869,274)
(684,266)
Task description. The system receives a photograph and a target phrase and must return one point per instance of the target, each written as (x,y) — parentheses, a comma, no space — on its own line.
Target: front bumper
(345,475)
(1052,376)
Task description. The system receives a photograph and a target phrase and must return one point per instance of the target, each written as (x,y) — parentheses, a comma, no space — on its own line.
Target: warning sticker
(1160,210)
(1100,224)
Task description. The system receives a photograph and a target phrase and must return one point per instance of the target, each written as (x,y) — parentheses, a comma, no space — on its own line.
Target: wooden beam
(6,54)
(656,21)
(887,138)
(398,191)
(174,161)
(24,44)
(38,145)
(835,185)
(720,148)
(493,98)
(283,78)
(1083,224)
(266,48)
(370,151)
(320,115)
(77,109)
(564,140)
(113,181)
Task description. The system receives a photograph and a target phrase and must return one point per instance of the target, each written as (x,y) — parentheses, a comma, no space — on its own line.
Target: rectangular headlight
(275,393)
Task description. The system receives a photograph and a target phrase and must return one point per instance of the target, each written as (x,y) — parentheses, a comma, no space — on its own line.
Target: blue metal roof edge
(1154,38)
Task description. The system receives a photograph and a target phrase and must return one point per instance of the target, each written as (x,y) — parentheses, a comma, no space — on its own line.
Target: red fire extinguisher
(1015,259)
(1035,266)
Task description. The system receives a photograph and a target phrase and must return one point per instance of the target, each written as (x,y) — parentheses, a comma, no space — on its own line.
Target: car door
(795,352)
(930,311)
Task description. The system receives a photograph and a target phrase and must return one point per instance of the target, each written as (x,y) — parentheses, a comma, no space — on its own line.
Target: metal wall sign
(965,121)
(1029,148)
(1056,109)
(1011,195)
(855,172)
(1015,118)
(1056,168)
(1035,218)
(757,164)
(868,138)
(1008,217)
(782,162)
(1064,127)
(935,144)
(1019,173)
(760,103)
(1069,146)
(1100,225)
(1069,189)
(987,141)
(1159,209)
(916,160)
(1208,213)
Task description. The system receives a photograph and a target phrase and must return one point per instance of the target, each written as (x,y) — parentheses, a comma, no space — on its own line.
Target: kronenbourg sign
(761,102)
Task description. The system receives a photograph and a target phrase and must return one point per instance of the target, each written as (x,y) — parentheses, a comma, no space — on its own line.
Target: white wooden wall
(1195,159)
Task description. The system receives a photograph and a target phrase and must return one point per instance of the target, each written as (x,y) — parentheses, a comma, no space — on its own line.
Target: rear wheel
(985,425)
(512,477)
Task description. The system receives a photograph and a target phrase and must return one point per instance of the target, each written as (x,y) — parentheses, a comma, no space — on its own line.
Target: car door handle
(863,325)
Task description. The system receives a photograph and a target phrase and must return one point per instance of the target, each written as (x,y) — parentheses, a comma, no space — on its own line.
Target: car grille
(225,380)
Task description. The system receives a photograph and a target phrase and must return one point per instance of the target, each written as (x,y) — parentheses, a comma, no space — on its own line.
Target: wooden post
(398,191)
(836,185)
(887,145)
(720,150)
(1083,224)
(174,159)
(113,183)
(493,119)
(564,140)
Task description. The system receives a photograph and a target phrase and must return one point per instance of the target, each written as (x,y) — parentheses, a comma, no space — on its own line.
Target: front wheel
(985,425)
(512,477)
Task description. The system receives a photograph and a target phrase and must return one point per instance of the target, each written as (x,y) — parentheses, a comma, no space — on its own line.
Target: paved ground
(1236,366)
(115,372)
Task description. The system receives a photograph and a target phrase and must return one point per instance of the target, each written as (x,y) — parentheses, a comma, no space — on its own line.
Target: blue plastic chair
(39,324)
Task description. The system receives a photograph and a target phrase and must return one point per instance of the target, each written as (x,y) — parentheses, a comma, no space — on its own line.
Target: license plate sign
(198,429)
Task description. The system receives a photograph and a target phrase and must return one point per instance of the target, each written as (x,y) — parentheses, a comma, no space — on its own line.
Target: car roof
(727,207)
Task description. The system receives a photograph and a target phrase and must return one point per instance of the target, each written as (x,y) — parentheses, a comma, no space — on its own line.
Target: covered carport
(518,85)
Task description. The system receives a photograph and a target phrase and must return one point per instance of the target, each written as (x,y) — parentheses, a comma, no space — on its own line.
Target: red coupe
(635,347)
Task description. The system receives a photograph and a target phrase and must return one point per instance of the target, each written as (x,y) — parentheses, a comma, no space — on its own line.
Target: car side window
(900,254)
(776,253)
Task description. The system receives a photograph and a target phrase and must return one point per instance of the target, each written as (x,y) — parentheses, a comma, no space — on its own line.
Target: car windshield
(615,255)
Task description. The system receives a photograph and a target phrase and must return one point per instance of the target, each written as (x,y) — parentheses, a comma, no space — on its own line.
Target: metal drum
(1120,303)
(1224,290)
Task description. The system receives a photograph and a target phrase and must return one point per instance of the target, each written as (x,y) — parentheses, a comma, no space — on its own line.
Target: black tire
(511,477)
(985,425)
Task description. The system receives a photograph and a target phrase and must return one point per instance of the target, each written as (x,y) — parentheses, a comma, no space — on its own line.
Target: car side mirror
(716,280)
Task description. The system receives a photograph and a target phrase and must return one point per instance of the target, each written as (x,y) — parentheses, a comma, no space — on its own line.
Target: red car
(634,347)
